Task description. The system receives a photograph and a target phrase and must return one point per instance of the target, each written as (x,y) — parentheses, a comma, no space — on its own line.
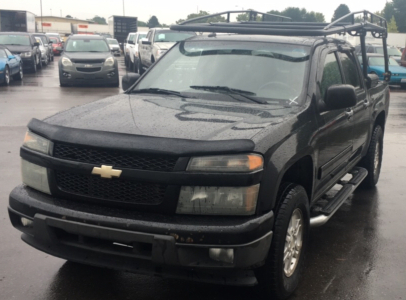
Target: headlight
(109,62)
(37,143)
(66,62)
(206,200)
(159,53)
(35,176)
(228,163)
(26,54)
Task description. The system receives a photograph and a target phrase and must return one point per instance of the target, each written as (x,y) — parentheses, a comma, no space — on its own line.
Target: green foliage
(399,13)
(69,16)
(99,20)
(388,11)
(392,27)
(340,11)
(246,17)
(201,14)
(153,22)
(141,24)
(299,14)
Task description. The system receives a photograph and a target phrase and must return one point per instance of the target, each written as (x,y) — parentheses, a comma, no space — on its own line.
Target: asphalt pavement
(359,254)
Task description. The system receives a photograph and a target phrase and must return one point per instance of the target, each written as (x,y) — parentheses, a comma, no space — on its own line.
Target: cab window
(350,70)
(331,73)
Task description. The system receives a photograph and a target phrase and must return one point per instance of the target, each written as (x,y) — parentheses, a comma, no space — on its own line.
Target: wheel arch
(380,120)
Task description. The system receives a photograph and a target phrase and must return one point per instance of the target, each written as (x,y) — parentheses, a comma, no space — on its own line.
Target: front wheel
(20,74)
(39,61)
(280,275)
(373,159)
(140,67)
(7,76)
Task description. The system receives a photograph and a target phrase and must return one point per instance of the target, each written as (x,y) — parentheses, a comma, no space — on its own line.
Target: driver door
(336,126)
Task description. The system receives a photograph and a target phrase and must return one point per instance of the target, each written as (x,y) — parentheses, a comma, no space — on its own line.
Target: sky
(169,11)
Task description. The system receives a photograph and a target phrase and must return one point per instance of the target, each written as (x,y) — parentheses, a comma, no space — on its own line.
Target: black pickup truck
(214,165)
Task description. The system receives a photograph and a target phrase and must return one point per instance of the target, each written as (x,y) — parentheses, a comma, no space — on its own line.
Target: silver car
(87,59)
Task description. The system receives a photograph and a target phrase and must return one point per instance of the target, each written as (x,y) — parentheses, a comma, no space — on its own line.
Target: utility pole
(42,29)
(61,13)
(123,9)
(51,11)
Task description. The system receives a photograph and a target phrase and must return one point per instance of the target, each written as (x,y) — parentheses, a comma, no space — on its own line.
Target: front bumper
(71,75)
(170,246)
(28,62)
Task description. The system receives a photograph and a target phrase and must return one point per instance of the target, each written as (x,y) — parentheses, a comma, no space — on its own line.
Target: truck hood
(173,117)
(164,46)
(393,69)
(18,49)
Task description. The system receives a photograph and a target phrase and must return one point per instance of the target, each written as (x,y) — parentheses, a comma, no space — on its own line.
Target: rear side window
(331,73)
(350,70)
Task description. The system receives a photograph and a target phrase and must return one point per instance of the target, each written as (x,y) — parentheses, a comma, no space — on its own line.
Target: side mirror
(145,42)
(131,42)
(340,96)
(372,80)
(36,44)
(128,80)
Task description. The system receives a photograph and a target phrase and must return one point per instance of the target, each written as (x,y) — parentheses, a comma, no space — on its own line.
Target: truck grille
(114,158)
(88,70)
(115,189)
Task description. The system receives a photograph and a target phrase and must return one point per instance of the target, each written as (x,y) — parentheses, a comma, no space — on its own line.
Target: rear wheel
(140,67)
(34,67)
(280,275)
(373,159)
(6,76)
(20,74)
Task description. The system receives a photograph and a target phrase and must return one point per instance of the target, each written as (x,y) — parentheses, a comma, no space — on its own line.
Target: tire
(39,64)
(6,76)
(34,68)
(52,57)
(373,159)
(61,83)
(135,69)
(19,76)
(279,277)
(140,66)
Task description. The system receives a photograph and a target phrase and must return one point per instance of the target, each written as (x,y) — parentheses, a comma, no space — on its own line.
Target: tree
(141,24)
(201,14)
(340,11)
(299,15)
(153,22)
(99,20)
(246,17)
(388,11)
(399,13)
(392,27)
(69,17)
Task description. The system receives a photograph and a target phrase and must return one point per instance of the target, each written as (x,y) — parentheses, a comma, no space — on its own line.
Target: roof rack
(280,25)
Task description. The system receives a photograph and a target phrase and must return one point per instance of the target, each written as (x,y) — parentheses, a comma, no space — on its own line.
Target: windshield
(3,54)
(8,39)
(112,42)
(391,51)
(87,45)
(140,36)
(54,40)
(262,70)
(170,36)
(379,61)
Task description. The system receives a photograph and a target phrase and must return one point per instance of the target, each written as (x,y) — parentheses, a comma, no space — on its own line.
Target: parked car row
(144,48)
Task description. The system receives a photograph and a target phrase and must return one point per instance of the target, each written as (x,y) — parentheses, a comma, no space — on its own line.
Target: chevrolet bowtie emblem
(106,172)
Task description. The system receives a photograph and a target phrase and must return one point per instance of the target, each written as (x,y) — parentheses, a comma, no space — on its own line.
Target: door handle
(349,113)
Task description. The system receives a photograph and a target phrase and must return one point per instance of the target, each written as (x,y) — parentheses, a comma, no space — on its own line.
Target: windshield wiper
(160,91)
(229,91)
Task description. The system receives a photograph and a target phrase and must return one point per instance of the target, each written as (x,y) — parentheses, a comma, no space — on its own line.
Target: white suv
(133,51)
(126,48)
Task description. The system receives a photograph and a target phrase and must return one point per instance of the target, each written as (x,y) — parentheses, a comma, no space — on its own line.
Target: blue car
(376,65)
(10,66)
